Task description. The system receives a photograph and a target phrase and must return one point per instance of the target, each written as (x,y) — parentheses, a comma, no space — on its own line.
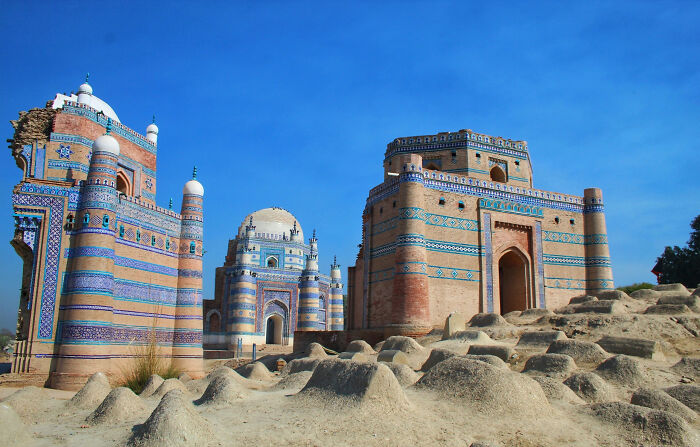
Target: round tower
(85,92)
(187,335)
(86,318)
(308,293)
(598,269)
(152,132)
(294,234)
(335,307)
(243,295)
(410,304)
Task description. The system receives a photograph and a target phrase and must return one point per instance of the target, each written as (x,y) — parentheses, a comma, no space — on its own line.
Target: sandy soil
(263,413)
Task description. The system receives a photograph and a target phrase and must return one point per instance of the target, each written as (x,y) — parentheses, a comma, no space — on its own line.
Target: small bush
(147,361)
(636,286)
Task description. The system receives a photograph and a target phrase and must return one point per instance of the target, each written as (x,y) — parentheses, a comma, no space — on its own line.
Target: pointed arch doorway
(273,330)
(513,281)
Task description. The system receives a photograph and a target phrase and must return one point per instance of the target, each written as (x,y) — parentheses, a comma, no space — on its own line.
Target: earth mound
(295,381)
(689,395)
(315,351)
(688,366)
(623,370)
(298,365)
(490,359)
(676,288)
(659,400)
(352,383)
(222,390)
(590,387)
(227,372)
(26,402)
(184,377)
(360,346)
(644,426)
(436,356)
(557,391)
(553,365)
(168,385)
(488,320)
(174,422)
(12,428)
(486,388)
(152,385)
(120,404)
(581,351)
(93,392)
(255,371)
(197,386)
(400,343)
(404,374)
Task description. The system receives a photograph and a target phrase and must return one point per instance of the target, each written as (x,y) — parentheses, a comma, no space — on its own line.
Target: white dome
(85,88)
(193,187)
(106,143)
(271,223)
(152,128)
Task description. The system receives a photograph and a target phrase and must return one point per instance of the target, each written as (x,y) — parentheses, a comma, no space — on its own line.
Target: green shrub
(636,286)
(147,361)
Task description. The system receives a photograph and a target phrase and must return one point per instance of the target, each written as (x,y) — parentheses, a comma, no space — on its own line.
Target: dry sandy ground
(458,401)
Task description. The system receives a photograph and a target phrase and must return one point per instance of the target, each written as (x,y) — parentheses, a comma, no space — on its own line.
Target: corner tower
(308,293)
(599,274)
(335,306)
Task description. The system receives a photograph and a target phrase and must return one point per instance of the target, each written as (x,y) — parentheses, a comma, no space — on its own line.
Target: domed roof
(106,143)
(85,88)
(152,128)
(271,223)
(193,187)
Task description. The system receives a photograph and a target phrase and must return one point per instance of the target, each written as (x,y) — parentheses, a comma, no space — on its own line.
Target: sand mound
(688,367)
(644,426)
(360,346)
(184,378)
(255,371)
(503,352)
(400,343)
(11,426)
(391,356)
(93,392)
(225,371)
(174,422)
(539,339)
(26,402)
(472,336)
(151,385)
(582,299)
(196,387)
(298,365)
(295,381)
(487,320)
(490,359)
(689,395)
(612,295)
(590,387)
(315,351)
(168,385)
(404,374)
(667,309)
(353,383)
(623,370)
(436,356)
(553,365)
(222,390)
(676,287)
(120,404)
(659,400)
(579,350)
(557,391)
(645,294)
(489,389)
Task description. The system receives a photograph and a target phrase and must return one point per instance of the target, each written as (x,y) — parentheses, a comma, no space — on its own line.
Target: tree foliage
(682,265)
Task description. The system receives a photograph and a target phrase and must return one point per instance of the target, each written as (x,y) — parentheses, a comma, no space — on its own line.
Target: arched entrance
(497,174)
(123,184)
(273,330)
(512,281)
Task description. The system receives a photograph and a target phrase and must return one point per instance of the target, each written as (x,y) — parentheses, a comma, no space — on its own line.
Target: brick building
(105,269)
(270,286)
(457,225)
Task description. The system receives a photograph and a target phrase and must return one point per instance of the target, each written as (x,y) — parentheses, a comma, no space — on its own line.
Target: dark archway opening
(214,323)
(272,262)
(497,174)
(273,330)
(512,282)
(122,185)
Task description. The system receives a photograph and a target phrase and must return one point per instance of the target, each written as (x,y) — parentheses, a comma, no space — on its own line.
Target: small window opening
(167,244)
(478,155)
(105,221)
(517,162)
(441,201)
(460,205)
(556,219)
(572,221)
(454,154)
(138,235)
(393,205)
(153,241)
(272,262)
(86,218)
(381,210)
(192,247)
(121,230)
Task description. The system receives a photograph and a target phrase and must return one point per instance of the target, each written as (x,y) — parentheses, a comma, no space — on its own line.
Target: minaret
(294,233)
(243,286)
(598,269)
(85,92)
(187,335)
(152,132)
(410,305)
(335,307)
(86,318)
(308,293)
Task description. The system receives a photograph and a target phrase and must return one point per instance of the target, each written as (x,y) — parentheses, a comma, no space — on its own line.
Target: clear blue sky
(291,104)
